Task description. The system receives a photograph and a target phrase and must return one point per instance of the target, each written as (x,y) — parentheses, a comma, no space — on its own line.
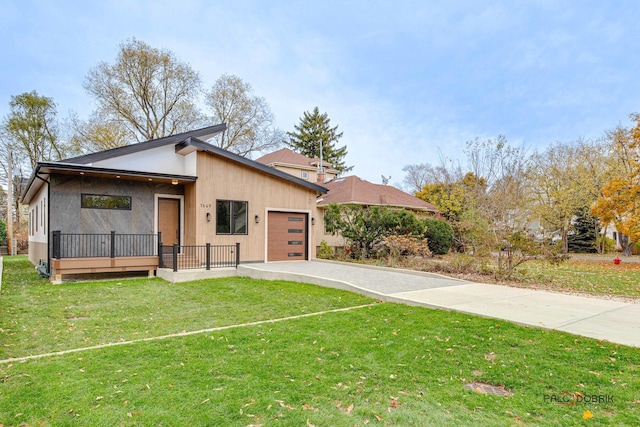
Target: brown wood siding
(63,266)
(287,236)
(220,179)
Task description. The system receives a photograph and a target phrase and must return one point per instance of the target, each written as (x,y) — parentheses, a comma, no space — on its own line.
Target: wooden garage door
(287,236)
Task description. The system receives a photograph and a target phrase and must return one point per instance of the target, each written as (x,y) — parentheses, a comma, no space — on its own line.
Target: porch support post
(113,244)
(55,236)
(160,261)
(175,257)
(208,256)
(237,254)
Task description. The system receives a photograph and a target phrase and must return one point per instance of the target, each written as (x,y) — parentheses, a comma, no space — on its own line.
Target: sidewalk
(611,320)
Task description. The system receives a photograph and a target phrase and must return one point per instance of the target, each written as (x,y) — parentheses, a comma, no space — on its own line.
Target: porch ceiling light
(174,181)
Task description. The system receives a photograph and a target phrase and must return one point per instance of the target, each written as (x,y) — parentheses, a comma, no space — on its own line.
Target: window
(231,217)
(305,175)
(96,201)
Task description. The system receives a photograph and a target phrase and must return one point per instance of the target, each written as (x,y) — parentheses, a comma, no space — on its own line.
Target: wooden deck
(64,266)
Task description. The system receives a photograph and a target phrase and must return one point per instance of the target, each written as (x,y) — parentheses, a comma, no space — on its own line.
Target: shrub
(3,232)
(439,235)
(325,251)
(395,246)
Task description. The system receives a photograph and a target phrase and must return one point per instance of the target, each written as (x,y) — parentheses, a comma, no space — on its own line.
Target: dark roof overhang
(204,133)
(45,169)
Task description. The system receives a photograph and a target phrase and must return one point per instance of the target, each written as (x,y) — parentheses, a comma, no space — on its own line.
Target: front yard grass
(37,317)
(386,364)
(598,277)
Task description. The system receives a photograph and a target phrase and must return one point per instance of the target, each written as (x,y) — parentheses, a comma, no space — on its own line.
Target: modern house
(350,190)
(170,200)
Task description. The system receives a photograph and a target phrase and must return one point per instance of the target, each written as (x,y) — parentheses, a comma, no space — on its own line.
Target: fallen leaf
(307,407)
(286,405)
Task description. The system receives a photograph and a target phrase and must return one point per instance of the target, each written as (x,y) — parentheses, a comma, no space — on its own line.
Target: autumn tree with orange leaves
(619,199)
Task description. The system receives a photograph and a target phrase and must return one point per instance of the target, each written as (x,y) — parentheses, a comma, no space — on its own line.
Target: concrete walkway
(611,320)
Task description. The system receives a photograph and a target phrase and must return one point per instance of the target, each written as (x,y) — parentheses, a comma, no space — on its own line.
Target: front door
(169,221)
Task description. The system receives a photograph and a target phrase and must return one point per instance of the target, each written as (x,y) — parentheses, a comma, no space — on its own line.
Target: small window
(305,175)
(36,218)
(231,217)
(97,201)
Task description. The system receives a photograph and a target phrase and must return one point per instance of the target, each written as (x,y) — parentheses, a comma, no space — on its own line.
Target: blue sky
(406,81)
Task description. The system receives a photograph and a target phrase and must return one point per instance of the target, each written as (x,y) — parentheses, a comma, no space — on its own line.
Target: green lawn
(601,277)
(385,364)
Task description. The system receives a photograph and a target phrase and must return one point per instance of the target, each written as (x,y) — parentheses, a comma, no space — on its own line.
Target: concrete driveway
(612,320)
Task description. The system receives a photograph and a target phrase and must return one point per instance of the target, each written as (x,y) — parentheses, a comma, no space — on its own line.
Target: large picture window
(97,201)
(231,217)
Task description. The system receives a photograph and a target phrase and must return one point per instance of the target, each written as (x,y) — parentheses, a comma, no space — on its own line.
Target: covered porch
(84,253)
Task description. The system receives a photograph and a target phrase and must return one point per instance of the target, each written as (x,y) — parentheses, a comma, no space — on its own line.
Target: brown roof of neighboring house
(286,156)
(354,190)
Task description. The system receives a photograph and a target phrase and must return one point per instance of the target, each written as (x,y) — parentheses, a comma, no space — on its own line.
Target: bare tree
(250,122)
(147,91)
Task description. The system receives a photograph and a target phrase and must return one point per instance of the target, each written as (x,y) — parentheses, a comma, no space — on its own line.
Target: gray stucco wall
(67,216)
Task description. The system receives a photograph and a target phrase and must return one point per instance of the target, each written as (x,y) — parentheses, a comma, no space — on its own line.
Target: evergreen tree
(583,240)
(313,129)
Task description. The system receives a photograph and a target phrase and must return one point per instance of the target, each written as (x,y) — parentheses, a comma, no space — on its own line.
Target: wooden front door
(287,236)
(169,221)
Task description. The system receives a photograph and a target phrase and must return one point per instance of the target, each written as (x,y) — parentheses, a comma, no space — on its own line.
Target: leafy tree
(365,227)
(448,198)
(315,128)
(565,179)
(457,202)
(439,235)
(250,122)
(147,91)
(618,199)
(31,130)
(583,239)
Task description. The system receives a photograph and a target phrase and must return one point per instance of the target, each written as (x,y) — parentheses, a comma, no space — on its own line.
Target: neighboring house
(350,190)
(190,192)
(298,165)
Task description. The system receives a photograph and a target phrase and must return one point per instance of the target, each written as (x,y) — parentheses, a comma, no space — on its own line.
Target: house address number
(205,205)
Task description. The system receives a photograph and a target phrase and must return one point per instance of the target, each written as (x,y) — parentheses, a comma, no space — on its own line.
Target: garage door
(287,236)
